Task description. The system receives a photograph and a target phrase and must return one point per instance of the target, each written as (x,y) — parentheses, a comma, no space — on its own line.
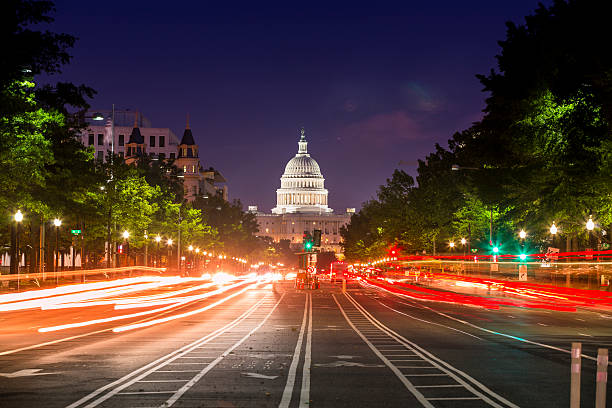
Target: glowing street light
(553,229)
(158,239)
(126,234)
(451,244)
(169,241)
(18,216)
(590,225)
(522,234)
(190,247)
(463,241)
(197,250)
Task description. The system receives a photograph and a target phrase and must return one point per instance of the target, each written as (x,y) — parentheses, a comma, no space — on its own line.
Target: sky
(375,85)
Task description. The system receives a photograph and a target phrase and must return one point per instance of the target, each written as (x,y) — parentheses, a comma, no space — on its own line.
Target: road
(268,345)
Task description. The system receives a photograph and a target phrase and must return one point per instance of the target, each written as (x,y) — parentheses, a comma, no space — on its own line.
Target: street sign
(75,232)
(522,272)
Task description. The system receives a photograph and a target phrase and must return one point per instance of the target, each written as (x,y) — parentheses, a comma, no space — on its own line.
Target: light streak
(181,315)
(122,317)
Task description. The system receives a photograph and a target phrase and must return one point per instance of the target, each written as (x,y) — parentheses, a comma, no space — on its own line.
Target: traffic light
(307,241)
(316,238)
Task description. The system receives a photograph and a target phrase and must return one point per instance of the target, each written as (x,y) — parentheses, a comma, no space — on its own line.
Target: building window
(100,155)
(91,139)
(162,141)
(121,140)
(172,156)
(121,154)
(100,139)
(152,141)
(162,156)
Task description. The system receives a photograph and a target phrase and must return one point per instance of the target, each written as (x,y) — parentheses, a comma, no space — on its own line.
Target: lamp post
(590,226)
(190,248)
(169,242)
(57,223)
(463,242)
(110,247)
(18,217)
(126,238)
(146,256)
(522,235)
(553,231)
(157,240)
(197,258)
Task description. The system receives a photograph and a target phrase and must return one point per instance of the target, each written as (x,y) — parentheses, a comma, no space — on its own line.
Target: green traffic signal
(308,246)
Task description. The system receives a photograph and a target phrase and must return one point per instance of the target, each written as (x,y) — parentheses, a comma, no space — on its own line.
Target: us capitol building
(301,205)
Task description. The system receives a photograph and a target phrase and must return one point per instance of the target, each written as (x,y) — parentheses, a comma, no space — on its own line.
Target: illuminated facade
(302,205)
(140,139)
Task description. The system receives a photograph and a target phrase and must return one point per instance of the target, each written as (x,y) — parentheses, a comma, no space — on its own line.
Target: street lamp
(553,229)
(522,234)
(126,238)
(451,244)
(157,240)
(169,242)
(146,256)
(57,222)
(590,225)
(18,217)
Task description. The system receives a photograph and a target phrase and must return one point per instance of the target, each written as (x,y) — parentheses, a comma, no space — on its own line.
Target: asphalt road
(274,346)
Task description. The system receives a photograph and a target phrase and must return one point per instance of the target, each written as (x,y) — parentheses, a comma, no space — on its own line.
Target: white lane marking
(305,392)
(582,320)
(28,372)
(178,394)
(288,391)
(584,334)
(341,363)
(162,361)
(427,321)
(542,324)
(420,397)
(439,386)
(452,371)
(510,316)
(504,334)
(344,357)
(261,376)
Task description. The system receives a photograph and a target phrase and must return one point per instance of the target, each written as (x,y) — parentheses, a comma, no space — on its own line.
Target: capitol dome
(302,166)
(302,185)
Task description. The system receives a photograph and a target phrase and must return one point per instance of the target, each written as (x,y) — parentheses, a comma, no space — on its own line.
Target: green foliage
(541,153)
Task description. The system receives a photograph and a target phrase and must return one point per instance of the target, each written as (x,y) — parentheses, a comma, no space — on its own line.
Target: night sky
(372,85)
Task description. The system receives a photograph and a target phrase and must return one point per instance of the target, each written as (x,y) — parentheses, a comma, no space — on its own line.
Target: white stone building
(301,205)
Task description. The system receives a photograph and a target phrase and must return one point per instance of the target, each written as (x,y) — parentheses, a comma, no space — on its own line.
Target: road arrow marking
(29,372)
(256,375)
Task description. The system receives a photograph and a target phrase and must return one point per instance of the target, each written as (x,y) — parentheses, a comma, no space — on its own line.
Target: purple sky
(373,86)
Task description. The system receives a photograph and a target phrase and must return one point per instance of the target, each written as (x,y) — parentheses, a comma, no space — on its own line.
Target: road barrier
(576,367)
(601,379)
